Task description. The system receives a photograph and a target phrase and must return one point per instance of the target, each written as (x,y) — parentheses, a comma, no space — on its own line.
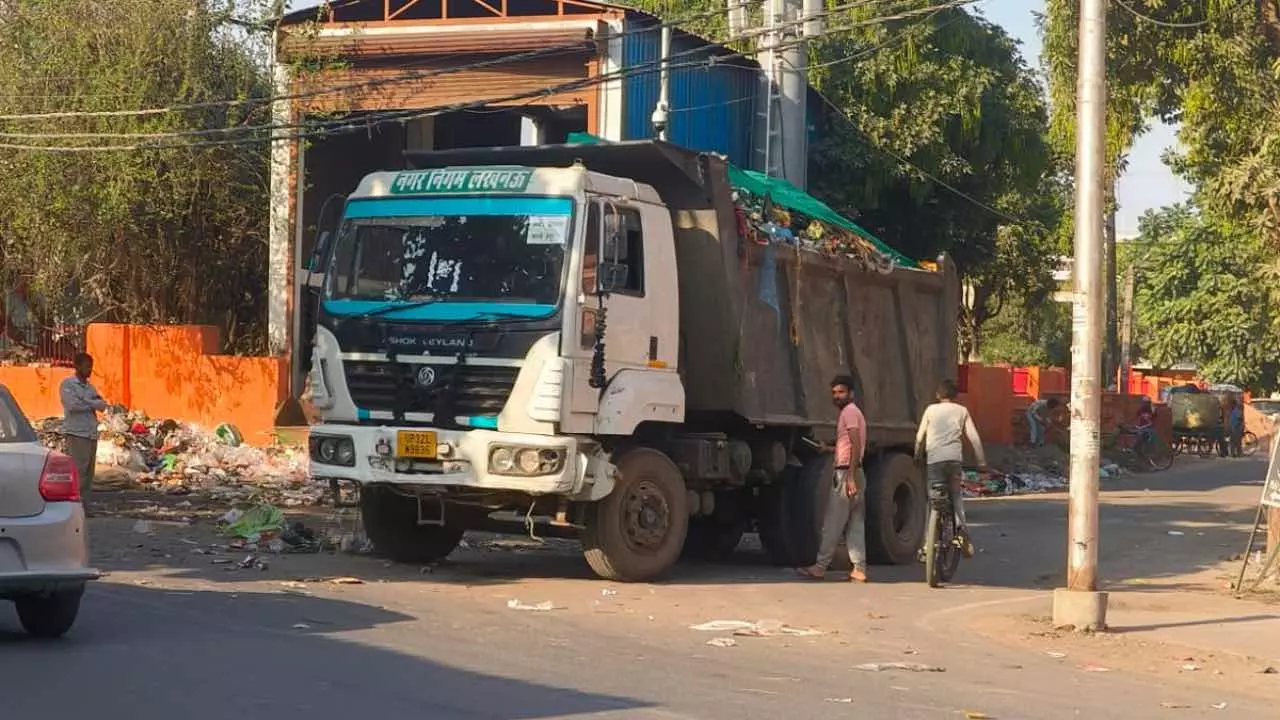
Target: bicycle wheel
(932,548)
(1248,444)
(949,543)
(1157,454)
(1204,447)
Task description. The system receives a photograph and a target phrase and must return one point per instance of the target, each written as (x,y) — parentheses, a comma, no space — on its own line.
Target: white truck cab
(461,352)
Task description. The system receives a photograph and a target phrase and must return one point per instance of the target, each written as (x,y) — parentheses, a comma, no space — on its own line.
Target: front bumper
(465,465)
(44,552)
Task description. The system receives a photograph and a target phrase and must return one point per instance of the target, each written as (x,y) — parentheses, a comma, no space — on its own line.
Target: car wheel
(49,616)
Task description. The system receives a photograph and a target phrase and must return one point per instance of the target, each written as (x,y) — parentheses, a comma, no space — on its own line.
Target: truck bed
(895,333)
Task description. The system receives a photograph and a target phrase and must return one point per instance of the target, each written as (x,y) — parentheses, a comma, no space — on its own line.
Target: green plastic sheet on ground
(786,195)
(257,521)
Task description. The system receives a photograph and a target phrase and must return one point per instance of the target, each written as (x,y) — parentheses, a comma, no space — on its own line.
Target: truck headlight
(333,450)
(525,461)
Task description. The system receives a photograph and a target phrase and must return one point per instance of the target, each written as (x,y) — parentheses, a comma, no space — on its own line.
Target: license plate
(416,444)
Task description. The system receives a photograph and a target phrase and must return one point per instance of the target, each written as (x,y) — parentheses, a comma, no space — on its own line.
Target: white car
(44,549)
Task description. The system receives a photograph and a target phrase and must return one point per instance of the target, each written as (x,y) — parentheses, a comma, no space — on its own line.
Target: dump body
(894,333)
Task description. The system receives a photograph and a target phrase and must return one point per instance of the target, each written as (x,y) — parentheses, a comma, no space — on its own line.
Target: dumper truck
(580,336)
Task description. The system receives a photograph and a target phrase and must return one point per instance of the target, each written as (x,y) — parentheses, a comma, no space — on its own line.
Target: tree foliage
(165,235)
(1198,298)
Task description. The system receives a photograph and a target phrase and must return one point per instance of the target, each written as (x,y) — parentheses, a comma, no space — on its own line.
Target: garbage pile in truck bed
(137,452)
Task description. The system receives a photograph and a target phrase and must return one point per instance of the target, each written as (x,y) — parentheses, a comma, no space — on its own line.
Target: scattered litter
(1176,533)
(908,667)
(253,562)
(911,651)
(294,584)
(722,626)
(842,701)
(1190,667)
(143,527)
(1095,668)
(608,592)
(876,616)
(763,628)
(975,715)
(1268,670)
(722,642)
(1174,706)
(301,626)
(1219,706)
(1055,654)
(540,607)
(345,581)
(255,523)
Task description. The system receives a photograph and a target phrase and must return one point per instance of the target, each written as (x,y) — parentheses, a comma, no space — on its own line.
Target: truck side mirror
(612,276)
(613,244)
(320,252)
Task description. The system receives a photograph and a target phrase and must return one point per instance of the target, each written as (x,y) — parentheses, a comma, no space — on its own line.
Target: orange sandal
(858,575)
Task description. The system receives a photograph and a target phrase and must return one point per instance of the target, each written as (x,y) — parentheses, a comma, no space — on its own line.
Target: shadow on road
(147,653)
(1157,531)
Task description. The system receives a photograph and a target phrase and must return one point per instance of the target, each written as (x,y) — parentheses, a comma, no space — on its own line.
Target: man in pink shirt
(846,507)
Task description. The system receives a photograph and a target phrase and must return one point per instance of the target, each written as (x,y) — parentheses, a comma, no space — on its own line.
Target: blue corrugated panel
(712,105)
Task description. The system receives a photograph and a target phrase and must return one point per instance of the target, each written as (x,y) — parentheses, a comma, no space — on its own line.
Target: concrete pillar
(420,134)
(531,132)
(280,280)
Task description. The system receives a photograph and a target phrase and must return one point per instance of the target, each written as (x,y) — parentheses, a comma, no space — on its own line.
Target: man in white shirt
(81,404)
(940,444)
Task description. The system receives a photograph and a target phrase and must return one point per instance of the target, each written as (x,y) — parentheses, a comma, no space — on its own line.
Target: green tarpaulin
(785,195)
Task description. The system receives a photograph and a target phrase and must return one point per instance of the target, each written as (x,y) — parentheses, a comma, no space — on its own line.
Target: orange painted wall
(167,372)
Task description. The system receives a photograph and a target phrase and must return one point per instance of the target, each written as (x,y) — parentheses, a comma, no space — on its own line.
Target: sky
(1146,185)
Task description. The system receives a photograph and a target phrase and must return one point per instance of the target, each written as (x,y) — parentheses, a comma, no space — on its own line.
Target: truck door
(625,249)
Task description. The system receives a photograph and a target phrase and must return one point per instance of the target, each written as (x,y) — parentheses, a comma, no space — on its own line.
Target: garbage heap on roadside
(1023,471)
(140,453)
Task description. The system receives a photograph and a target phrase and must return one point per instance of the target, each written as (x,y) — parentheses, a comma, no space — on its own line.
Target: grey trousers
(845,519)
(85,454)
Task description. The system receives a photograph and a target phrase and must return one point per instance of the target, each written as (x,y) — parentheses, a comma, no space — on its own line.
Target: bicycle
(1147,447)
(943,545)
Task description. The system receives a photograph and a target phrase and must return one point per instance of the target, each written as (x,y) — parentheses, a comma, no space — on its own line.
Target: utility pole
(1126,328)
(793,91)
(662,113)
(1112,354)
(1080,605)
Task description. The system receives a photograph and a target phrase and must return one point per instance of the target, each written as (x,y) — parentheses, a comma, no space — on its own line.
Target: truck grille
(465,390)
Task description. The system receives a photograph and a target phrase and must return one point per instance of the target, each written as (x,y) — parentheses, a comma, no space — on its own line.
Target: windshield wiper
(494,315)
(393,307)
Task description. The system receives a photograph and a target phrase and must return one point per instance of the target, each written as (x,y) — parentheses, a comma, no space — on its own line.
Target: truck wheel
(391,521)
(717,536)
(49,617)
(637,531)
(791,511)
(897,506)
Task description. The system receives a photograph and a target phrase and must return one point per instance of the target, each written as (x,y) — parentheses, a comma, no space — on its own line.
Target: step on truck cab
(574,334)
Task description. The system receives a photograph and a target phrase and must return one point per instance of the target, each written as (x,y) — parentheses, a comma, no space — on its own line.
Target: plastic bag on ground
(256,522)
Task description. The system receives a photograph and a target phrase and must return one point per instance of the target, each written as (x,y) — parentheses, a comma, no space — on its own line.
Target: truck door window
(591,250)
(632,251)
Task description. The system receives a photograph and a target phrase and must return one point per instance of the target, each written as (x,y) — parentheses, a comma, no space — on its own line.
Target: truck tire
(897,507)
(718,536)
(791,511)
(391,522)
(637,531)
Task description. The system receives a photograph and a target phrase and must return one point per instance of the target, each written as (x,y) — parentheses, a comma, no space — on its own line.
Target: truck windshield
(450,258)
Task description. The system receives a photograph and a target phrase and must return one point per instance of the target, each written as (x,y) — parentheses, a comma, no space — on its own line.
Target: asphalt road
(159,641)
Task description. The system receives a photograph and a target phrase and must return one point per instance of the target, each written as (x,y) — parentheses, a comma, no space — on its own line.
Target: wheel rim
(646,517)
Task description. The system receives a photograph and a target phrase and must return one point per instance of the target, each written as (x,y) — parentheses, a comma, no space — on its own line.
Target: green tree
(148,235)
(934,137)
(1198,298)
